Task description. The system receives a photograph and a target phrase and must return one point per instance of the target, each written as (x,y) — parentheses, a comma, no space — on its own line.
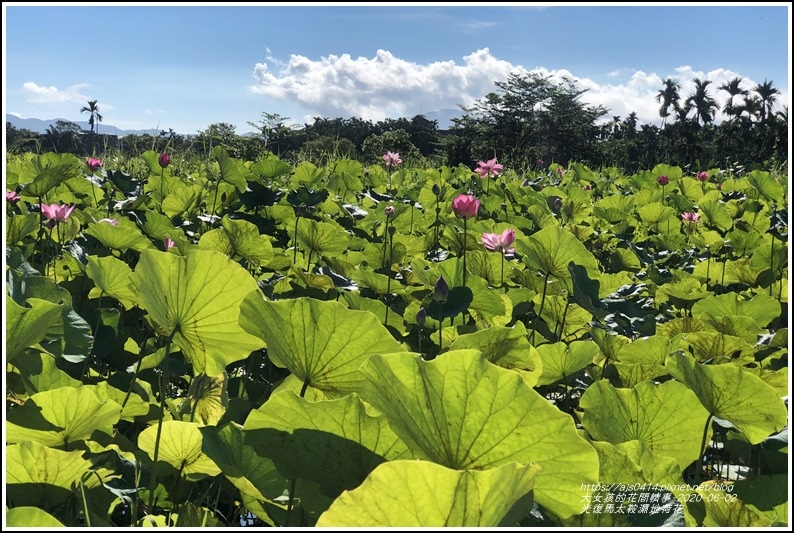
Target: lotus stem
(542,301)
(464,251)
(153,486)
(699,464)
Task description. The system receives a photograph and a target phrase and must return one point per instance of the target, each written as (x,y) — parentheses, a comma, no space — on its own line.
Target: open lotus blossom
(703,176)
(11,196)
(59,213)
(111,221)
(663,180)
(690,217)
(500,243)
(164,160)
(392,159)
(488,168)
(93,164)
(465,206)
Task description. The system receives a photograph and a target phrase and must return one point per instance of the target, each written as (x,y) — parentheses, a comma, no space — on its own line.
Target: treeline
(528,121)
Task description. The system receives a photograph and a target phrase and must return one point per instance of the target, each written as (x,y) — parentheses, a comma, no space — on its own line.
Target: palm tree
(668,96)
(753,106)
(768,95)
(733,89)
(94,118)
(702,103)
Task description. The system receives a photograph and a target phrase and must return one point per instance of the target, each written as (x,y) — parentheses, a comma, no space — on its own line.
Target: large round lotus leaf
(39,372)
(551,249)
(232,170)
(253,475)
(322,238)
(648,351)
(113,278)
(26,326)
(323,343)
(714,213)
(119,237)
(562,360)
(290,430)
(725,510)
(135,404)
(742,327)
(197,297)
(765,185)
(463,412)
(247,242)
(762,308)
(424,494)
(630,374)
(729,392)
(180,447)
(667,418)
(719,348)
(505,347)
(207,398)
(61,416)
(25,517)
(40,476)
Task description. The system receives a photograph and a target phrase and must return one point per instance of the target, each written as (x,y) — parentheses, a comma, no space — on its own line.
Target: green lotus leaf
(680,293)
(630,374)
(120,238)
(136,405)
(217,240)
(761,308)
(763,183)
(157,225)
(26,326)
(39,372)
(609,343)
(376,282)
(61,416)
(769,257)
(345,174)
(667,418)
(729,392)
(722,510)
(742,327)
(180,447)
(290,430)
(207,398)
(20,226)
(765,494)
(49,178)
(247,242)
(743,242)
(424,494)
(113,278)
(562,318)
(679,326)
(719,348)
(560,360)
(39,476)
(551,249)
(253,475)
(231,169)
(714,212)
(25,517)
(650,350)
(191,516)
(197,298)
(355,301)
(182,199)
(463,412)
(322,238)
(656,212)
(313,281)
(505,347)
(271,167)
(322,343)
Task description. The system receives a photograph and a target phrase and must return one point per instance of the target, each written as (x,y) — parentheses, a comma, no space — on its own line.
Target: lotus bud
(421,316)
(441,290)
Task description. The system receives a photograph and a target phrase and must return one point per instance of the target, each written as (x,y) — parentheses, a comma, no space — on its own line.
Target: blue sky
(185,67)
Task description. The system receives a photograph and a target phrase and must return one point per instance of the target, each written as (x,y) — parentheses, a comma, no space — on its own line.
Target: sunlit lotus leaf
(667,417)
(682,293)
(742,327)
(182,199)
(551,249)
(232,170)
(679,326)
(561,360)
(247,242)
(120,238)
(270,168)
(48,178)
(207,398)
(614,208)
(463,412)
(156,225)
(322,238)
(322,343)
(761,308)
(345,176)
(112,277)
(650,350)
(690,188)
(505,347)
(191,516)
(355,301)
(252,474)
(136,405)
(630,374)
(39,372)
(197,298)
(39,476)
(719,348)
(312,281)
(425,494)
(763,183)
(180,447)
(608,343)
(20,226)
(770,257)
(744,242)
(765,494)
(290,430)
(714,213)
(217,240)
(656,212)
(731,393)
(562,317)
(61,416)
(27,517)
(26,326)
(722,510)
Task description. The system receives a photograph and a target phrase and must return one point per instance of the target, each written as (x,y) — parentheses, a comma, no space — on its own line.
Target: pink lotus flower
(164,160)
(663,180)
(11,196)
(500,243)
(392,159)
(465,206)
(111,221)
(93,164)
(690,217)
(59,213)
(390,211)
(168,243)
(489,168)
(703,176)
(560,171)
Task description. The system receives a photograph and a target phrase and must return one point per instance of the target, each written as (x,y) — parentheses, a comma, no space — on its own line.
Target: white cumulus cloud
(46,95)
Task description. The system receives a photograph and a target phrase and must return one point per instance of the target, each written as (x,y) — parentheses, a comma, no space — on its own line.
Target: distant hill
(40,126)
